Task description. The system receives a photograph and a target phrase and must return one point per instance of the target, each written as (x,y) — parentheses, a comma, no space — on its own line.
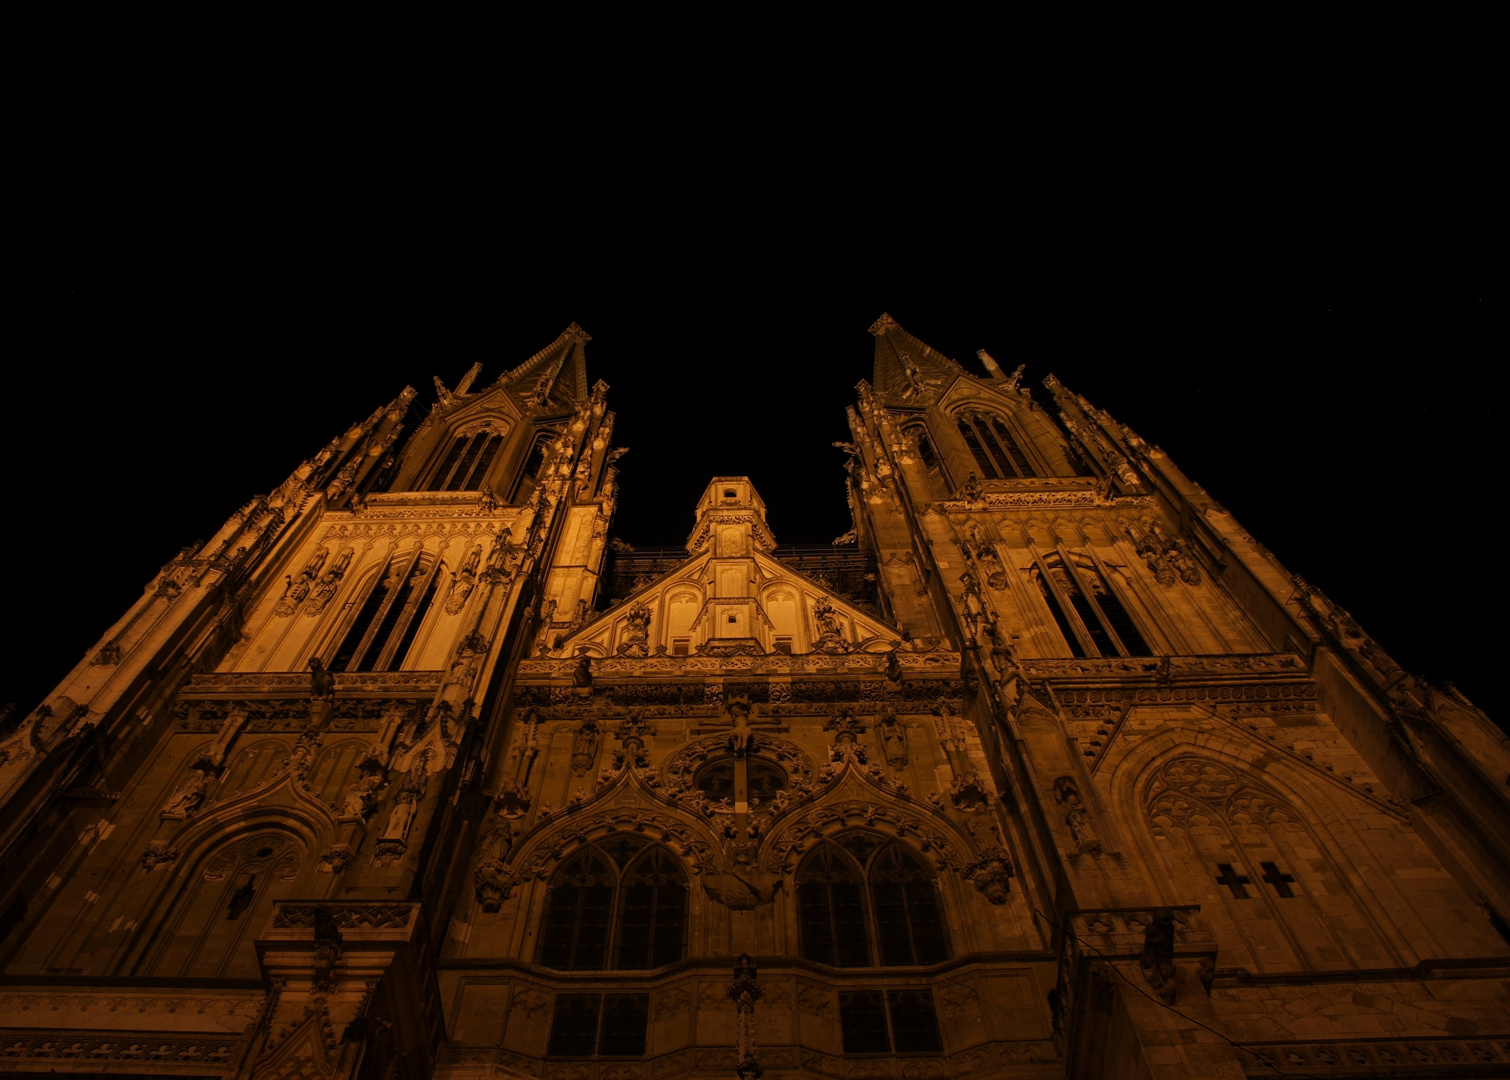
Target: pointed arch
(866,900)
(619,903)
(1269,881)
(390,613)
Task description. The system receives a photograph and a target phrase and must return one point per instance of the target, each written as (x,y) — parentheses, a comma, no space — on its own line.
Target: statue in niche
(465,582)
(329,582)
(636,632)
(893,738)
(970,490)
(406,801)
(294,595)
(187,798)
(1076,816)
(362,795)
(990,563)
(584,748)
(830,635)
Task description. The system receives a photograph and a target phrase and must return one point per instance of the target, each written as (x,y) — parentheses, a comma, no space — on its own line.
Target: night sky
(1338,389)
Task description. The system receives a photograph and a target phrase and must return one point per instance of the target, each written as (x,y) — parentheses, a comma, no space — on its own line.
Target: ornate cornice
(547,669)
(229,684)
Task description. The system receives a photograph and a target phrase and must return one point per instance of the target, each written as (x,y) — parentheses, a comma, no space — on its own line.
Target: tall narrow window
(1102,628)
(831,910)
(532,466)
(908,924)
(652,912)
(575,937)
(465,466)
(908,927)
(448,464)
(386,624)
(1116,616)
(994,447)
(598,916)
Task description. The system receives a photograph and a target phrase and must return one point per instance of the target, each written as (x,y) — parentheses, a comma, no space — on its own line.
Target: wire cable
(1235,1045)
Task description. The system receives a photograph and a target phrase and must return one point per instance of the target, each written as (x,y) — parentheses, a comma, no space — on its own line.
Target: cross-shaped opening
(1281,882)
(1233,880)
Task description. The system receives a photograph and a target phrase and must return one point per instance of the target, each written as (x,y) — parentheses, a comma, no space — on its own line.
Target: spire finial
(883,324)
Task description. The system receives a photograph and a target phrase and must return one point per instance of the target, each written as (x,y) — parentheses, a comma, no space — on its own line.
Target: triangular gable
(691,603)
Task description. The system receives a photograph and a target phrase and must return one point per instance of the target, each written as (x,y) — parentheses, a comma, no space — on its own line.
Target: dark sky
(1332,377)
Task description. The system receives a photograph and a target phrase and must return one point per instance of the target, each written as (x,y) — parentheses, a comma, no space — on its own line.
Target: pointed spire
(467,379)
(908,369)
(557,372)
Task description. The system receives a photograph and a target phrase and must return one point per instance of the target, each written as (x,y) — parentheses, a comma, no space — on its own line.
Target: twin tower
(1047,769)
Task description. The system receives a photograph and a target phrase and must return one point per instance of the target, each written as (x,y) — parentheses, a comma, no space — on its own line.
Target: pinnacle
(575,331)
(883,324)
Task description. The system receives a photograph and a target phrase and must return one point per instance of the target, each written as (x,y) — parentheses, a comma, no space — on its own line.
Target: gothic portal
(1045,769)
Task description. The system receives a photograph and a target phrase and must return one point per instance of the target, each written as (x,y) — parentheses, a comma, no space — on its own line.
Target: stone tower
(1046,769)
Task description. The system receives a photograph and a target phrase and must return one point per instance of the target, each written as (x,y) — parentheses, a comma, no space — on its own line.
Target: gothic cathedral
(1047,769)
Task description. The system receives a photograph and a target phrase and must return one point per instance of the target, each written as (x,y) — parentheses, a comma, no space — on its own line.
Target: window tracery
(623,899)
(993,446)
(862,891)
(389,619)
(1084,606)
(467,460)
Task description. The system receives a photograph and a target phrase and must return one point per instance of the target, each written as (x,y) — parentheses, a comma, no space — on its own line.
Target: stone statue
(738,712)
(188,797)
(322,683)
(584,747)
(465,582)
(636,634)
(893,738)
(830,635)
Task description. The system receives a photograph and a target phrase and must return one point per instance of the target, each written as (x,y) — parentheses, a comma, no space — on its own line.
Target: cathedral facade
(1047,769)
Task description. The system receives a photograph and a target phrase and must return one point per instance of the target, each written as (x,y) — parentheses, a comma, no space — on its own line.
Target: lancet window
(390,616)
(993,446)
(532,466)
(866,902)
(465,466)
(1088,612)
(621,905)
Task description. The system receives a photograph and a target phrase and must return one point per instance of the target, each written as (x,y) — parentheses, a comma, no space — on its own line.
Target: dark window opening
(389,619)
(978,451)
(587,1025)
(926,452)
(437,483)
(681,647)
(994,447)
(914,1024)
(862,1021)
(531,474)
(592,914)
(1121,622)
(784,645)
(575,936)
(1050,598)
(653,912)
(909,925)
(831,910)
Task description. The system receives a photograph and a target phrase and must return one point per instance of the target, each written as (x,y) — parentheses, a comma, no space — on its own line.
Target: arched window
(993,446)
(835,921)
(532,466)
(626,900)
(390,617)
(1102,628)
(466,463)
